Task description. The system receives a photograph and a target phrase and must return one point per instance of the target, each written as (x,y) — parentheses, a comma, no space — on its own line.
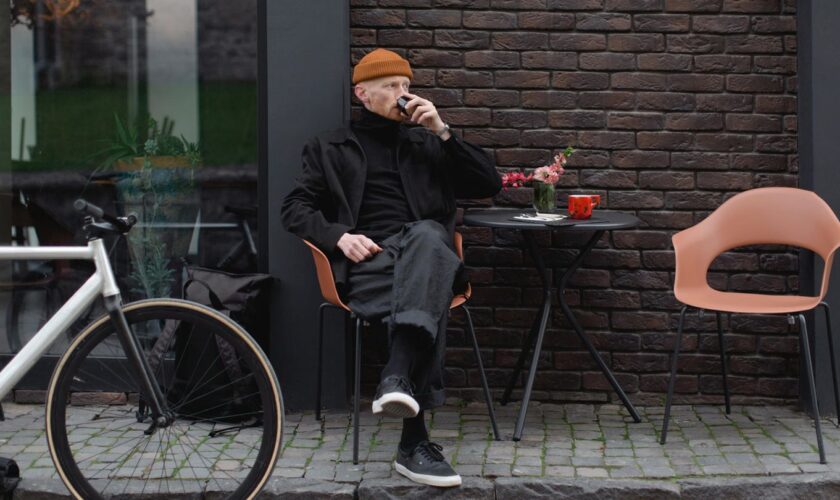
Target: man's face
(380,95)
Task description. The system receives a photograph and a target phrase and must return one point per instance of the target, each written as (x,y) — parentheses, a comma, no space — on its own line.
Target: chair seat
(748,303)
(457,301)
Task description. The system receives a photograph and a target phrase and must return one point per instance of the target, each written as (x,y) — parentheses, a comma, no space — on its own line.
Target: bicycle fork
(149,389)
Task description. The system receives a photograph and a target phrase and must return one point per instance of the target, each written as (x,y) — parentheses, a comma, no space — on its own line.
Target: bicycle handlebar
(89,209)
(122,224)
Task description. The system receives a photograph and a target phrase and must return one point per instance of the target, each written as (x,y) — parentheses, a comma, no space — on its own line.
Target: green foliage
(191,151)
(124,145)
(157,140)
(150,273)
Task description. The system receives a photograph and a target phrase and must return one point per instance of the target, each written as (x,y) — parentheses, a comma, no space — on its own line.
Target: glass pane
(138,106)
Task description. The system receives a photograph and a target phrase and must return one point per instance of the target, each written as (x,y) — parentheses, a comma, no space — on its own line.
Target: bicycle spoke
(219,433)
(198,420)
(208,465)
(105,365)
(151,468)
(217,389)
(177,466)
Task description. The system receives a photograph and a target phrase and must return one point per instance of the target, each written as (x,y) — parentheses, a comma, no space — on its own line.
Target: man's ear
(361,93)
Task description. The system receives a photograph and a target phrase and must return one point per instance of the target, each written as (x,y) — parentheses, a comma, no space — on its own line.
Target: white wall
(172,64)
(23,90)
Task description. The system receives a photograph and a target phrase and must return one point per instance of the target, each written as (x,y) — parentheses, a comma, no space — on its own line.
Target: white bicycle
(132,409)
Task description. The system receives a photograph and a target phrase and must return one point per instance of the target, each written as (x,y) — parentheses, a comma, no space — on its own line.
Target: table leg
(527,345)
(546,310)
(561,288)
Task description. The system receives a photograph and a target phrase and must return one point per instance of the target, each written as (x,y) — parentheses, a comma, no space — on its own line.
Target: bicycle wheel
(99,431)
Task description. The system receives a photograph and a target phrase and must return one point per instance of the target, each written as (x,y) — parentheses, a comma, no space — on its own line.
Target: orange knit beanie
(380,63)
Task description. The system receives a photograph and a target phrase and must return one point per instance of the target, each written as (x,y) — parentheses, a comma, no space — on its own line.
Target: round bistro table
(600,222)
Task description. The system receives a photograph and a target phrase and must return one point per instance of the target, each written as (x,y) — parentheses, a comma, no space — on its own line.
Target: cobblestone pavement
(560,441)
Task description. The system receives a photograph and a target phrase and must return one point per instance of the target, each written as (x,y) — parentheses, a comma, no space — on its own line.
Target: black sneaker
(425,465)
(394,398)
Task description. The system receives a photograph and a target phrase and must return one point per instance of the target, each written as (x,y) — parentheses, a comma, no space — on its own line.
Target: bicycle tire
(77,369)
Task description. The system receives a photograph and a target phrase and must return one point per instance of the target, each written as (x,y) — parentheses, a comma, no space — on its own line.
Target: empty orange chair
(326,282)
(777,215)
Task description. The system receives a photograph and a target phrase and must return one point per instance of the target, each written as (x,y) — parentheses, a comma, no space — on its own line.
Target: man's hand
(357,247)
(422,111)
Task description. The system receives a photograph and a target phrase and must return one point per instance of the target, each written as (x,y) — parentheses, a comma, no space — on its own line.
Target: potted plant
(543,181)
(155,178)
(129,152)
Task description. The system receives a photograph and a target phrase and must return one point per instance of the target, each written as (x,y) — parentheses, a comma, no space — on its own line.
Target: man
(378,197)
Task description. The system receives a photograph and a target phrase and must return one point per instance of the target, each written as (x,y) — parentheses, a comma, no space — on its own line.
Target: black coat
(324,204)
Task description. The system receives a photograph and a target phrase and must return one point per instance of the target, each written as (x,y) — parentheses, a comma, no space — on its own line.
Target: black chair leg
(723,369)
(319,363)
(487,396)
(357,383)
(672,382)
(809,368)
(833,354)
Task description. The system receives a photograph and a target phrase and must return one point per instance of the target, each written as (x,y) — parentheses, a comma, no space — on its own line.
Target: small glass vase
(545,201)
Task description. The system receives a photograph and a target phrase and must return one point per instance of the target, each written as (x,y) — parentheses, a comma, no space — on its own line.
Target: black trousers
(409,286)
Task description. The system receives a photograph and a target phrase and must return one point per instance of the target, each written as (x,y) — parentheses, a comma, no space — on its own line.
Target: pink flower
(559,162)
(515,179)
(542,174)
(548,174)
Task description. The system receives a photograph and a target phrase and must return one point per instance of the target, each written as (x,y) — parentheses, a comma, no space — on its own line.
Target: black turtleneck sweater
(384,207)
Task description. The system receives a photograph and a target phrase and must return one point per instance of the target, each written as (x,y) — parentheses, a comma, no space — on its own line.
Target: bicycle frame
(101,283)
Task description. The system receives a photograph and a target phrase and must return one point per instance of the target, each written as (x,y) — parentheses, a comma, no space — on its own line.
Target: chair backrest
(326,280)
(775,215)
(459,299)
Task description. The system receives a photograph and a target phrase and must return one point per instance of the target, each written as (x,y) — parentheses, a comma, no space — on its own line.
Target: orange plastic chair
(776,215)
(332,299)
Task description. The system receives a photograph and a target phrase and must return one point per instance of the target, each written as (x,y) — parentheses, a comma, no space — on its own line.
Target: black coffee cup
(401,102)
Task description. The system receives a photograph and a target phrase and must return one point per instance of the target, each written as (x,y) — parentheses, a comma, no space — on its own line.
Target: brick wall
(673,106)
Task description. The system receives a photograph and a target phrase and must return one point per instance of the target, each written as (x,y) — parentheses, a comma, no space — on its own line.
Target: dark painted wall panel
(819,150)
(307,91)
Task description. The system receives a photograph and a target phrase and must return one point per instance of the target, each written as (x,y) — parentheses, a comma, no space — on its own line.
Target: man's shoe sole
(439,481)
(397,405)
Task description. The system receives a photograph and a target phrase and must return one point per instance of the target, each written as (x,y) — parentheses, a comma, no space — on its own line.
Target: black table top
(601,220)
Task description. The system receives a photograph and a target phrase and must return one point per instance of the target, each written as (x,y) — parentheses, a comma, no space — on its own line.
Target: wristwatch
(444,130)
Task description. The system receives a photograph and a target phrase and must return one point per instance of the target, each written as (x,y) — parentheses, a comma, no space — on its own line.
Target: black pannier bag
(226,392)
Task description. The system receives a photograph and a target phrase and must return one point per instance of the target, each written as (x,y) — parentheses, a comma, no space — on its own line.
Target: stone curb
(812,486)
(472,487)
(54,489)
(595,489)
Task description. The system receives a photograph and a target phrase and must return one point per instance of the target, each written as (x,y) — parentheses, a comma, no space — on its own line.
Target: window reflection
(145,106)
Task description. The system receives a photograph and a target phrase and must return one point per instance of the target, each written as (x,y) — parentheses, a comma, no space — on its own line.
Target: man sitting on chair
(378,197)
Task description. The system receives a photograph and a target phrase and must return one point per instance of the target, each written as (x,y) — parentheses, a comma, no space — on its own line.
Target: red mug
(581,205)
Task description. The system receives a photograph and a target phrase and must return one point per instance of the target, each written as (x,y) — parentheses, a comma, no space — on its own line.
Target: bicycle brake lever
(128,222)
